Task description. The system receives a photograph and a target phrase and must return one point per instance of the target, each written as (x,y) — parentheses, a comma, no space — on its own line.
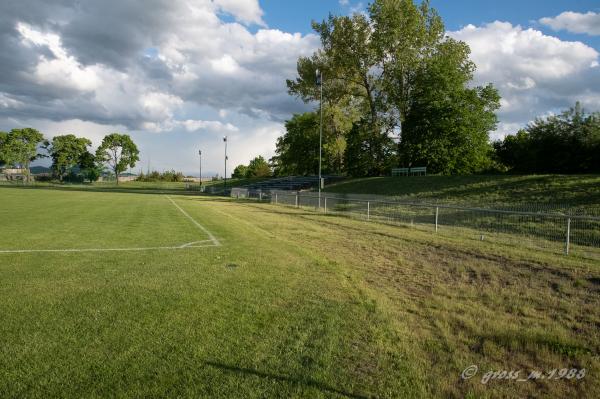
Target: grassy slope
(581,190)
(316,307)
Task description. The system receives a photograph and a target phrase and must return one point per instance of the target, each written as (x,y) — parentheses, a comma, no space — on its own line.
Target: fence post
(325,209)
(368,210)
(260,196)
(275,198)
(297,203)
(568,240)
(437,212)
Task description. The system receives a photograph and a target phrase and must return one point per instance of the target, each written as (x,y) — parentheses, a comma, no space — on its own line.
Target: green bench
(418,171)
(400,172)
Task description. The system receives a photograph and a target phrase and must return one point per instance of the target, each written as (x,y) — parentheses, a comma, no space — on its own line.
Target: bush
(154,176)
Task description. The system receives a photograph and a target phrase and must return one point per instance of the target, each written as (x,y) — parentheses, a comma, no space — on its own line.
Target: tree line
(156,176)
(564,143)
(258,167)
(398,92)
(71,158)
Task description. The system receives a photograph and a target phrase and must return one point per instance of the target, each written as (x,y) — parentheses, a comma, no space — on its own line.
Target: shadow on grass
(282,378)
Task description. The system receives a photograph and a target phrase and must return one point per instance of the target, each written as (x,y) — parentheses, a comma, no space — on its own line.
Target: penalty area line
(214,240)
(184,246)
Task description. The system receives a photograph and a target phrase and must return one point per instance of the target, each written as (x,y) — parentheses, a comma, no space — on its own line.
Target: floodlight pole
(320,83)
(200,174)
(225,176)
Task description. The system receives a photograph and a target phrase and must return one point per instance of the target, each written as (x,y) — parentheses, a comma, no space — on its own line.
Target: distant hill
(36,170)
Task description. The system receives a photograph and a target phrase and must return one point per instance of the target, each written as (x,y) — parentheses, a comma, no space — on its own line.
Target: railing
(562,232)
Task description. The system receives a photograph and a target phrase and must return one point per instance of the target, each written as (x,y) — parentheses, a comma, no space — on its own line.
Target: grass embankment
(553,190)
(292,304)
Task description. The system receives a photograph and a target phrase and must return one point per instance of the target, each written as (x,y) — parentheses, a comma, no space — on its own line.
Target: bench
(421,170)
(400,172)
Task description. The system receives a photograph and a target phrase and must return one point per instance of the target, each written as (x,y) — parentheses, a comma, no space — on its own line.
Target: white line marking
(21,251)
(212,239)
(204,229)
(193,244)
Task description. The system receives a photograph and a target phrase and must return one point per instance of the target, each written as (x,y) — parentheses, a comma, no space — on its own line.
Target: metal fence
(556,231)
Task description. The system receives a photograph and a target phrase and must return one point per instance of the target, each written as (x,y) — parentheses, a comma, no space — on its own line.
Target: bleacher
(288,183)
(293,183)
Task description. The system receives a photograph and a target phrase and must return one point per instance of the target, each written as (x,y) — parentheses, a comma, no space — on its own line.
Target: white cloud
(175,67)
(574,22)
(212,126)
(62,70)
(7,102)
(225,65)
(247,11)
(535,73)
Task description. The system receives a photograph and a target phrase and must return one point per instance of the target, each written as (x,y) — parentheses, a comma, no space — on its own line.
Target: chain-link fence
(552,230)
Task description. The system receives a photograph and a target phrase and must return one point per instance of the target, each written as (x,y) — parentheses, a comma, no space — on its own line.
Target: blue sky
(295,16)
(181,74)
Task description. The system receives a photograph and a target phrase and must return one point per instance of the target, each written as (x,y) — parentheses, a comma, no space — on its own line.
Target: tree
(19,147)
(258,167)
(119,152)
(448,123)
(514,152)
(297,151)
(67,152)
(564,143)
(3,143)
(405,38)
(351,84)
(368,154)
(375,69)
(90,169)
(239,172)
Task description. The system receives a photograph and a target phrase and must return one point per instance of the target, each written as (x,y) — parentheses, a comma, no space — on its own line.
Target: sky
(178,75)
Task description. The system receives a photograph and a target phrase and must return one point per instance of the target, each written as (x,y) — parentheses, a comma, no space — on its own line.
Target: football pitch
(148,295)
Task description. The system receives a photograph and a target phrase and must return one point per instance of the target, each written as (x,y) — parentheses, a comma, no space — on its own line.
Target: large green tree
(19,147)
(447,124)
(374,69)
(258,167)
(118,152)
(351,85)
(239,172)
(89,167)
(368,153)
(67,152)
(3,143)
(297,151)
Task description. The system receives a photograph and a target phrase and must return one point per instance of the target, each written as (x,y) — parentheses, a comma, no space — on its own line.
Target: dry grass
(455,303)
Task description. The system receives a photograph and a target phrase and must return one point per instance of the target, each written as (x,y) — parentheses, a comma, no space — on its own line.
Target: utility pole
(200,174)
(320,84)
(225,175)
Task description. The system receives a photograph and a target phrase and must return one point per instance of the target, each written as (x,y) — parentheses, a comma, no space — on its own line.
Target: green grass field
(147,295)
(133,186)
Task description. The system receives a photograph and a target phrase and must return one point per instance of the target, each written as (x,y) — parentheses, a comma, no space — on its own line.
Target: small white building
(13,174)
